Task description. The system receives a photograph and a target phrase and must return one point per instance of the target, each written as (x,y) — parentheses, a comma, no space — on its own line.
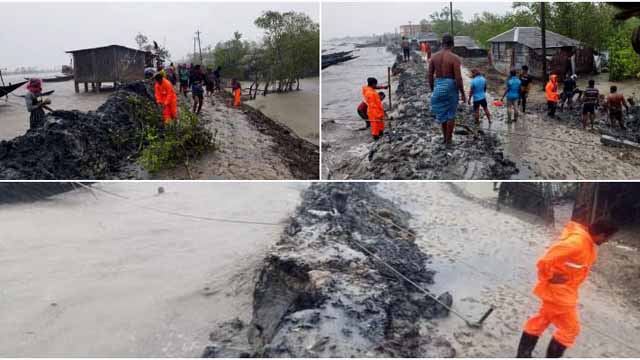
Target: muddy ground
(321,294)
(249,146)
(412,148)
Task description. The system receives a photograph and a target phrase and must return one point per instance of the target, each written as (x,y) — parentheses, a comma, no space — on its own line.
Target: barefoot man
(445,67)
(561,271)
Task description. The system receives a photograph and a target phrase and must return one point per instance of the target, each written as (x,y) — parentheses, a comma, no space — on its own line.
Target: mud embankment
(319,294)
(79,145)
(412,146)
(13,192)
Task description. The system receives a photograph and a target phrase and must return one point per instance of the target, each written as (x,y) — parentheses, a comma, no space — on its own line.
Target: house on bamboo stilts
(523,46)
(108,64)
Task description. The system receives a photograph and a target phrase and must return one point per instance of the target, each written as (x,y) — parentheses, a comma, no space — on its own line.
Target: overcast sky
(38,34)
(358,19)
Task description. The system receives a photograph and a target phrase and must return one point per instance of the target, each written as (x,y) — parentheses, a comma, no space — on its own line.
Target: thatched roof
(531,37)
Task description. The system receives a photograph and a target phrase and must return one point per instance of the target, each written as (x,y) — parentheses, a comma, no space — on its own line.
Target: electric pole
(451,15)
(543,27)
(197,38)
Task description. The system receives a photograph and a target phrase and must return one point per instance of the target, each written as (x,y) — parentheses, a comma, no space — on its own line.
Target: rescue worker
(561,271)
(423,50)
(236,88)
(406,49)
(477,92)
(525,87)
(590,102)
(445,67)
(35,106)
(551,92)
(615,101)
(166,98)
(362,111)
(375,110)
(512,92)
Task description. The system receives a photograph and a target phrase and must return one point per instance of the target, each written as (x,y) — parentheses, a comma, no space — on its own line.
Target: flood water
(342,83)
(14,118)
(486,258)
(86,276)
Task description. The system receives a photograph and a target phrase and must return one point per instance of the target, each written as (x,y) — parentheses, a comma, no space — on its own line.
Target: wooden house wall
(111,64)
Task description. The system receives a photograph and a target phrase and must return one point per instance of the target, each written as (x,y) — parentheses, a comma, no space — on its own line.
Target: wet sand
(14,118)
(297,110)
(505,247)
(86,277)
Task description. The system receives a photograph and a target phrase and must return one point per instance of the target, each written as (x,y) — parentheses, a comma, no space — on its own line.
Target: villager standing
(551,93)
(171,74)
(568,91)
(445,67)
(236,88)
(525,87)
(210,81)
(561,272)
(615,101)
(375,109)
(512,92)
(477,92)
(406,49)
(216,76)
(35,106)
(589,104)
(197,80)
(184,78)
(166,98)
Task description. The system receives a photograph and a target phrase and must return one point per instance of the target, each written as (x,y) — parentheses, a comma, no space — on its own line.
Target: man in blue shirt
(512,92)
(477,91)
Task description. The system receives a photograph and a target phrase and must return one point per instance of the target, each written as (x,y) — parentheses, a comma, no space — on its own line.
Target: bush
(167,146)
(624,63)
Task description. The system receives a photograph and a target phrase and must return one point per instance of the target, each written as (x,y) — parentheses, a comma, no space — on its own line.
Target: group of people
(192,78)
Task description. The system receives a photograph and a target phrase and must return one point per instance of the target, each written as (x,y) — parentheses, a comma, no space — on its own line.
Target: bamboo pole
(389,85)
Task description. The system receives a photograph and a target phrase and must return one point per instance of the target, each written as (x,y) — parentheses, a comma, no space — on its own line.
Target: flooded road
(341,95)
(14,118)
(103,277)
(296,109)
(487,258)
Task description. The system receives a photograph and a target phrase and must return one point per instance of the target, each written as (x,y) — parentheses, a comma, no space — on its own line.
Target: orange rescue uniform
(166,97)
(375,110)
(571,257)
(551,89)
(236,97)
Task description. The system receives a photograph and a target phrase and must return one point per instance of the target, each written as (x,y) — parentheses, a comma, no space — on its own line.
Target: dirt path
(87,277)
(249,147)
(505,247)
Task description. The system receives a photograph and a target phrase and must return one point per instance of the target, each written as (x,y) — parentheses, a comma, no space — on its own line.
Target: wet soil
(319,294)
(249,146)
(487,258)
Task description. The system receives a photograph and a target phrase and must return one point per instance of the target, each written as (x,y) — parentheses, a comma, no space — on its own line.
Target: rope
(527,295)
(178,214)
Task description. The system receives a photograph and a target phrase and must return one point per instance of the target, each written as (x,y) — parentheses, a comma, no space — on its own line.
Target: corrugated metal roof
(107,46)
(465,41)
(531,37)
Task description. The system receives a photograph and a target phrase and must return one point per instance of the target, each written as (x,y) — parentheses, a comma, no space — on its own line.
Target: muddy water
(100,277)
(341,95)
(14,118)
(297,109)
(502,249)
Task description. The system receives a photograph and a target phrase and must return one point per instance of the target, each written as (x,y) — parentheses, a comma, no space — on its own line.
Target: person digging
(375,110)
(362,111)
(561,272)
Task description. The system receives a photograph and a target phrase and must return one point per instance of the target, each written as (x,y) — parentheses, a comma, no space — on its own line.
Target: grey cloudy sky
(358,19)
(38,34)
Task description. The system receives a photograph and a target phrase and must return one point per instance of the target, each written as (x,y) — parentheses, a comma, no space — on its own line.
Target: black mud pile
(412,144)
(78,145)
(301,156)
(321,295)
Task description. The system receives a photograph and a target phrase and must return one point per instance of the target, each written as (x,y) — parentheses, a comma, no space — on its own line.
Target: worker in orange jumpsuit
(237,92)
(561,271)
(375,110)
(166,97)
(551,91)
(423,50)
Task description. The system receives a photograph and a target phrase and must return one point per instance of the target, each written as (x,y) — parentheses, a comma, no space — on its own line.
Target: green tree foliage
(143,44)
(624,63)
(441,21)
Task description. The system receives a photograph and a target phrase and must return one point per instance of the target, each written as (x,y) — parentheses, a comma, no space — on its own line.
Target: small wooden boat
(57,78)
(6,90)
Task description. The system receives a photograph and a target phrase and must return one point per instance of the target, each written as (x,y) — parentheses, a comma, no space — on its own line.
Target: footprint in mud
(463,338)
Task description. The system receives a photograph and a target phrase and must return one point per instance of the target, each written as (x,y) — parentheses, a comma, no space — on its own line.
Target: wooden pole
(389,85)
(451,15)
(543,27)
